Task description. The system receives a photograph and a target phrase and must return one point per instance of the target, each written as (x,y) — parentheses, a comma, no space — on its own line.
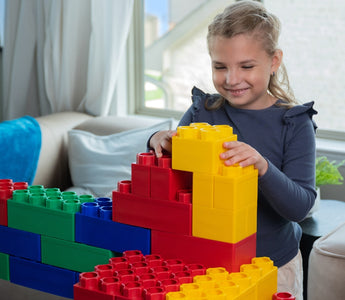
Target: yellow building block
(224,225)
(265,275)
(196,148)
(203,189)
(236,188)
(255,281)
(247,286)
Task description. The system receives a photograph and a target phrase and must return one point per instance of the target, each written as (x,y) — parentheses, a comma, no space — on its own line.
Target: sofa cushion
(107,125)
(98,162)
(327,265)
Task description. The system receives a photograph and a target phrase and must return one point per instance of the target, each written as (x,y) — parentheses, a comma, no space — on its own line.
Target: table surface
(330,215)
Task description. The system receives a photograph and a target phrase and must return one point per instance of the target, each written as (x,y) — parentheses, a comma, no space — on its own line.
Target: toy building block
(153,177)
(42,277)
(7,186)
(196,148)
(235,188)
(4,266)
(20,243)
(170,216)
(71,255)
(264,274)
(166,182)
(283,296)
(6,190)
(225,204)
(255,281)
(135,276)
(207,252)
(36,211)
(93,226)
(141,174)
(224,225)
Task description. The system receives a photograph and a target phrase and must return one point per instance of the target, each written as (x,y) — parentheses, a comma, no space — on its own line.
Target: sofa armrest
(52,169)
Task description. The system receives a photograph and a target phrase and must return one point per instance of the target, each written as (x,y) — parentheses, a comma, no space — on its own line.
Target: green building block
(4,266)
(41,220)
(73,256)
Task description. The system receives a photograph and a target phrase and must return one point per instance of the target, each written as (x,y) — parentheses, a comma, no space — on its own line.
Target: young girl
(274,134)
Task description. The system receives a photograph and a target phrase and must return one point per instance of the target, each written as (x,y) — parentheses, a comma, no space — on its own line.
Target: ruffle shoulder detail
(298,111)
(200,98)
(301,109)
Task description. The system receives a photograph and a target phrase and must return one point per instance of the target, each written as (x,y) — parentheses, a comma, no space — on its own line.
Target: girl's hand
(244,155)
(161,141)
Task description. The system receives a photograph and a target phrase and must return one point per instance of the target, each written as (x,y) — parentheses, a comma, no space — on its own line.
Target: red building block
(282,296)
(141,174)
(123,278)
(166,182)
(170,216)
(207,252)
(6,190)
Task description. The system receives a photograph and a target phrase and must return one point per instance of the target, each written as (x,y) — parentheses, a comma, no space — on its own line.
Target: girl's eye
(247,67)
(219,67)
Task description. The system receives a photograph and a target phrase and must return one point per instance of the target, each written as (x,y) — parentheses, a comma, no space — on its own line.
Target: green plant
(327,172)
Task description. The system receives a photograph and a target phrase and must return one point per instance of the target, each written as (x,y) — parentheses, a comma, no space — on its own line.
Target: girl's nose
(232,77)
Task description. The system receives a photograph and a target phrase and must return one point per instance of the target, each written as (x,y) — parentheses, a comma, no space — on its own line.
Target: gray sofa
(54,165)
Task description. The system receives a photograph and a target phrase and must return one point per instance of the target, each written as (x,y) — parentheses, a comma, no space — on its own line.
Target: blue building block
(42,277)
(111,235)
(20,243)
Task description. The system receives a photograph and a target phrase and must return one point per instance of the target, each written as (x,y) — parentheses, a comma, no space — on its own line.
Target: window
(176,58)
(175,53)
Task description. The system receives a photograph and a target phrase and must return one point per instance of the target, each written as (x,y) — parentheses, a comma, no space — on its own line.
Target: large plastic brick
(141,174)
(264,274)
(3,212)
(218,283)
(207,252)
(111,235)
(7,186)
(283,296)
(166,182)
(170,216)
(4,266)
(6,189)
(196,148)
(229,226)
(42,277)
(41,220)
(20,243)
(203,189)
(235,188)
(135,276)
(71,255)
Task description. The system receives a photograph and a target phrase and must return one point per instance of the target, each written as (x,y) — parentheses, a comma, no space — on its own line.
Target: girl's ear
(276,60)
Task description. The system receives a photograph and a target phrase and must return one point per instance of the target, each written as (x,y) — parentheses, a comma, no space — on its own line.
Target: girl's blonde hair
(251,17)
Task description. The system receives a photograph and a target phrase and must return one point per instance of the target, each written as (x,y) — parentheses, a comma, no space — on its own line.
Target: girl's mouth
(237,92)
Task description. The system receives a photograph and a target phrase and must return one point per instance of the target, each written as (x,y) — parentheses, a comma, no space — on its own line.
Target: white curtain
(62,55)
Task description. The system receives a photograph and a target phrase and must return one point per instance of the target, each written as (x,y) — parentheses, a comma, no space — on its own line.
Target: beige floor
(10,291)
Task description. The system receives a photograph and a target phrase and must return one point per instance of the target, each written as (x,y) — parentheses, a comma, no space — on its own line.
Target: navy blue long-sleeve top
(286,192)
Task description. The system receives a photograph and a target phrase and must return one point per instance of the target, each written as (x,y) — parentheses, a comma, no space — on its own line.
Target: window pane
(176,56)
(314,48)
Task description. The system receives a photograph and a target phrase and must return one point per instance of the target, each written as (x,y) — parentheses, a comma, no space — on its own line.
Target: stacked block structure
(47,237)
(196,208)
(152,277)
(184,226)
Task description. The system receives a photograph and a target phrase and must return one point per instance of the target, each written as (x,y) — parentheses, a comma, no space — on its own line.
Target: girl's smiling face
(241,70)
